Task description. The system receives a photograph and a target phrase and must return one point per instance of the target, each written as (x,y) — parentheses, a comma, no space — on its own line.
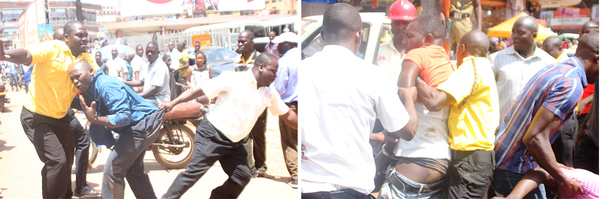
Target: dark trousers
(564,145)
(210,145)
(341,194)
(26,86)
(82,151)
(586,156)
(256,144)
(14,81)
(470,174)
(289,143)
(126,160)
(54,143)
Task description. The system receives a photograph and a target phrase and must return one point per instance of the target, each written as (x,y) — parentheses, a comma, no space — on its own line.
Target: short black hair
(165,56)
(552,41)
(476,42)
(250,34)
(139,45)
(98,52)
(429,24)
(588,43)
(152,43)
(340,21)
(264,59)
(70,26)
(201,53)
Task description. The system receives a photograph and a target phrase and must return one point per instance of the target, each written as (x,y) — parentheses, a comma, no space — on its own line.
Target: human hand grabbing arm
(409,95)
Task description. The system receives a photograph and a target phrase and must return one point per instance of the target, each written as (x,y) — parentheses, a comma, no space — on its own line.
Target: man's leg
(470,174)
(145,133)
(289,145)
(586,156)
(208,148)
(505,181)
(236,167)
(259,145)
(54,146)
(82,153)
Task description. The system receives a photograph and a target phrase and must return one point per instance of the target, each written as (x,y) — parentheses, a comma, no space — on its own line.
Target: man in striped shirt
(514,66)
(537,116)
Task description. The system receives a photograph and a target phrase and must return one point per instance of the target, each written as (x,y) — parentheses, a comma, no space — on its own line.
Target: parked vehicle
(219,59)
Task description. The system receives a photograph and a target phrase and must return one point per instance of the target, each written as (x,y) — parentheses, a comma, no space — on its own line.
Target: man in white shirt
(514,66)
(116,65)
(138,64)
(219,136)
(175,55)
(156,83)
(340,104)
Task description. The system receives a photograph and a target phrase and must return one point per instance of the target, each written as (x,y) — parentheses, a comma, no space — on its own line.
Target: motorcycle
(175,143)
(3,99)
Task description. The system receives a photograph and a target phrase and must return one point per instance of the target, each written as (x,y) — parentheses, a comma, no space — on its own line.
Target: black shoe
(293,183)
(86,191)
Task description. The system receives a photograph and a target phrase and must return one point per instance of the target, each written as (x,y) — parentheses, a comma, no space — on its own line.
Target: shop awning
(504,29)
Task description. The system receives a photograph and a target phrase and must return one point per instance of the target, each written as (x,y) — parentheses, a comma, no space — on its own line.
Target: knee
(242,174)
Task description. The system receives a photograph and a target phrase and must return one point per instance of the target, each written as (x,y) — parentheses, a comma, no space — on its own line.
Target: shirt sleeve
(389,108)
(459,84)
(415,56)
(41,52)
(563,96)
(277,107)
(214,86)
(116,99)
(280,83)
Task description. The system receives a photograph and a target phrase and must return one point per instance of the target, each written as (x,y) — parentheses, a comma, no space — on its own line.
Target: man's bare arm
(150,92)
(17,56)
(537,141)
(410,72)
(290,118)
(409,95)
(188,95)
(134,83)
(478,17)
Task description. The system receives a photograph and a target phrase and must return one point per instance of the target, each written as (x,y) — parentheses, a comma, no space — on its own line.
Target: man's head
(286,42)
(524,33)
(245,42)
(425,30)
(272,35)
(197,46)
(587,27)
(76,37)
(473,43)
(59,34)
(167,59)
(98,57)
(114,52)
(81,75)
(342,26)
(265,69)
(587,52)
(180,46)
(553,46)
(401,13)
(152,51)
(128,57)
(139,50)
(171,46)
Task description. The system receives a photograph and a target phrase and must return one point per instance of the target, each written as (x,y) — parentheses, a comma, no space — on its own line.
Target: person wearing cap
(285,84)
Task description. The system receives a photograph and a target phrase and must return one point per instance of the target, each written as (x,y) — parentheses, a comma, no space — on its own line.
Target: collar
(250,60)
(582,74)
(251,78)
(335,49)
(536,53)
(467,59)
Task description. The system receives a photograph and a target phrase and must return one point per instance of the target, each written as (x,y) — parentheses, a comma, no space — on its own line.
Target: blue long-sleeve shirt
(287,75)
(119,103)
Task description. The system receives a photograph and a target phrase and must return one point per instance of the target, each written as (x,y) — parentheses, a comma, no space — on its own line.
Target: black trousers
(289,143)
(564,145)
(256,144)
(82,152)
(54,143)
(587,155)
(210,145)
(470,174)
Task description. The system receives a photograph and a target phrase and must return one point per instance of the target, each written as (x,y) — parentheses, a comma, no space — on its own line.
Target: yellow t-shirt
(51,90)
(472,123)
(562,57)
(184,58)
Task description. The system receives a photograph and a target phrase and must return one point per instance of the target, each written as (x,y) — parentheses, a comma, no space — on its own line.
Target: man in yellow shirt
(473,118)
(44,116)
(553,46)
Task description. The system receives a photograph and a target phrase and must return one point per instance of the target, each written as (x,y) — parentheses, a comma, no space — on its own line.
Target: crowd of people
(500,122)
(130,94)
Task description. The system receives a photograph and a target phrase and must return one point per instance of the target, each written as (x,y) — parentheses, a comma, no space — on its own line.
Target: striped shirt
(558,88)
(512,72)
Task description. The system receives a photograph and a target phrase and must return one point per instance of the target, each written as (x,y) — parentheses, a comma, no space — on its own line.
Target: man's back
(342,95)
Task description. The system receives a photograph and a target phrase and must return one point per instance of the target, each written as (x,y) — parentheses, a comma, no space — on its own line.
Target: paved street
(20,167)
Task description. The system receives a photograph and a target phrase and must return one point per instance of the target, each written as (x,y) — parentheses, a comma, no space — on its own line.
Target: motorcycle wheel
(174,157)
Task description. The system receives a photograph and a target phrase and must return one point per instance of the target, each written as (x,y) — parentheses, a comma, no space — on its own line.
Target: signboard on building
(29,19)
(595,12)
(45,32)
(204,39)
(151,7)
(547,16)
(569,11)
(568,23)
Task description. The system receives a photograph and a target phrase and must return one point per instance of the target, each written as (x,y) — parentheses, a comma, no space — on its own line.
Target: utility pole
(79,10)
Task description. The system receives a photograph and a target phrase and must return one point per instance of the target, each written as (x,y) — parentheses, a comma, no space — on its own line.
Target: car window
(228,55)
(386,35)
(366,27)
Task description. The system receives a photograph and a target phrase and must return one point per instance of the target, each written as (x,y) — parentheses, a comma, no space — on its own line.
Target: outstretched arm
(188,95)
(537,141)
(17,56)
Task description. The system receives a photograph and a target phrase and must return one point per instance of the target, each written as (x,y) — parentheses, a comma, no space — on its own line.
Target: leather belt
(459,15)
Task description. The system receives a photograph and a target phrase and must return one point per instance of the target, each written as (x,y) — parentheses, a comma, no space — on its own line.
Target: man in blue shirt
(537,116)
(123,111)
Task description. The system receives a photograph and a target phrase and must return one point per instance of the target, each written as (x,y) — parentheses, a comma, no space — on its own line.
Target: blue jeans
(406,188)
(126,160)
(505,181)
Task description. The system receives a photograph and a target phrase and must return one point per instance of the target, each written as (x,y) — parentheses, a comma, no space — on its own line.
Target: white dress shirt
(512,73)
(390,60)
(116,66)
(341,97)
(240,103)
(138,64)
(175,55)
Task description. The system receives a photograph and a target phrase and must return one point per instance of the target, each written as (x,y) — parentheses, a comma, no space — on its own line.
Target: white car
(376,30)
